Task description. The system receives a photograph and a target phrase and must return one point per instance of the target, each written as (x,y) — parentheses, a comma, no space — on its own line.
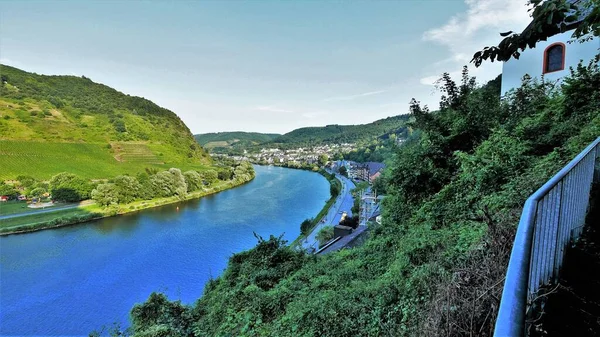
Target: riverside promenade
(342,204)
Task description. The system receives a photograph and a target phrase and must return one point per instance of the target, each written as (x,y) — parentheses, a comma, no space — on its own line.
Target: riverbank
(35,222)
(333,181)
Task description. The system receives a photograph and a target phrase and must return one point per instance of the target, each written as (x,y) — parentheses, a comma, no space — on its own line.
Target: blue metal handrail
(552,217)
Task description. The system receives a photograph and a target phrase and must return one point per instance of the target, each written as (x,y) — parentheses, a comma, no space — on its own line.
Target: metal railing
(552,218)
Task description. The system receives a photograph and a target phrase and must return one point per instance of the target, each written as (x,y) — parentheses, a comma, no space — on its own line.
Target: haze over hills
(307,136)
(51,124)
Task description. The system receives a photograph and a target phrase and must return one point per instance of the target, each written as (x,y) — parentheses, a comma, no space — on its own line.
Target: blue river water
(72,280)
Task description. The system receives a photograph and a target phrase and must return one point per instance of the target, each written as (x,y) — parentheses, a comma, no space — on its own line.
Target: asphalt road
(343,203)
(48,210)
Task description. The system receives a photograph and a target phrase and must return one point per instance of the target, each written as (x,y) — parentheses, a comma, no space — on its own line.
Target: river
(72,280)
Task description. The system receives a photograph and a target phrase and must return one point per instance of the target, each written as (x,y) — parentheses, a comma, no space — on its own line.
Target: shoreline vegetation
(92,212)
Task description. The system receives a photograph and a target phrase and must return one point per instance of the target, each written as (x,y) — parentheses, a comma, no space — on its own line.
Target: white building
(550,59)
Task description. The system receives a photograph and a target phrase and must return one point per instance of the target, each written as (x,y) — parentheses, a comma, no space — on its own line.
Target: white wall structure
(532,61)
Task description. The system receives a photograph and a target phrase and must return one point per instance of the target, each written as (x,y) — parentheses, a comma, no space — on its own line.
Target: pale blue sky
(267,66)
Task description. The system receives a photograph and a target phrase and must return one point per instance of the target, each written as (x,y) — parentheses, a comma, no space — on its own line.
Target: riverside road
(343,203)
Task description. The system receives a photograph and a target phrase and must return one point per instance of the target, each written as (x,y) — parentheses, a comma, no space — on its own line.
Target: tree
(225,174)
(37,192)
(26,181)
(243,172)
(334,189)
(69,187)
(146,190)
(162,184)
(179,185)
(163,317)
(128,188)
(7,190)
(169,183)
(193,180)
(106,194)
(305,226)
(380,185)
(210,176)
(323,159)
(549,18)
(344,171)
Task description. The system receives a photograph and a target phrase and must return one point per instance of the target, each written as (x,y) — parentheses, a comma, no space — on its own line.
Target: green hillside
(311,136)
(236,142)
(239,140)
(234,136)
(51,124)
(436,264)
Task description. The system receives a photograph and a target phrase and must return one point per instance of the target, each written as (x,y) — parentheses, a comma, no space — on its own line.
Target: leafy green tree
(193,180)
(243,172)
(169,183)
(344,171)
(69,187)
(380,185)
(129,188)
(146,189)
(7,190)
(211,176)
(549,18)
(37,192)
(305,226)
(179,185)
(334,190)
(165,318)
(162,184)
(323,159)
(26,182)
(225,174)
(106,194)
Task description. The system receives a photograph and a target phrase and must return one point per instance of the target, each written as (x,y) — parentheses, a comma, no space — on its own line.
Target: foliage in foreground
(435,267)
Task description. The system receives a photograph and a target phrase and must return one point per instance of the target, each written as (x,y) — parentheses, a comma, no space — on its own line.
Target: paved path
(341,243)
(343,203)
(39,211)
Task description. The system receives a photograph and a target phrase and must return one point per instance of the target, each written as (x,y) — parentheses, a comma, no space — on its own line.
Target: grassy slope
(51,124)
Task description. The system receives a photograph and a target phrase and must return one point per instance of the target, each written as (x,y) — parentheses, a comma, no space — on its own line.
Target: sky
(262,66)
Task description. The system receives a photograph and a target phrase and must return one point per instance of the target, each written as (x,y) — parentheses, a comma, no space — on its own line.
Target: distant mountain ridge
(311,136)
(236,142)
(234,136)
(232,140)
(51,123)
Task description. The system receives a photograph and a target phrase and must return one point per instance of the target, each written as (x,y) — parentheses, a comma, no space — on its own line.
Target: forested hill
(235,138)
(73,116)
(311,136)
